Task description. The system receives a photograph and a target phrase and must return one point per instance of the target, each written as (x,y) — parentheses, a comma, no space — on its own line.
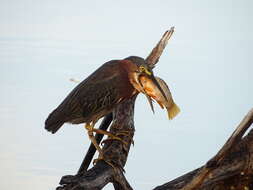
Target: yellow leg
(109,163)
(91,129)
(112,137)
(125,133)
(93,140)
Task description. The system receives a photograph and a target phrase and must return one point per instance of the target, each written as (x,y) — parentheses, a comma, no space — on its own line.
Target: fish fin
(173,111)
(160,104)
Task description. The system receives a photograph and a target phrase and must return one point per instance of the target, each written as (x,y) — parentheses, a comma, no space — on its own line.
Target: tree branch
(231,167)
(157,51)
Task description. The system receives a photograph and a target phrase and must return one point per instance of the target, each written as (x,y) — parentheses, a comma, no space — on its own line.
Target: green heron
(97,95)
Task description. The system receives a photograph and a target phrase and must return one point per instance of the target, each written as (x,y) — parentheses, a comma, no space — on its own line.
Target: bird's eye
(142,69)
(145,70)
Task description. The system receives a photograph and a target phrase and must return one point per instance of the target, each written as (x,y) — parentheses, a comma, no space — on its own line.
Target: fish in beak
(161,95)
(157,85)
(149,76)
(150,101)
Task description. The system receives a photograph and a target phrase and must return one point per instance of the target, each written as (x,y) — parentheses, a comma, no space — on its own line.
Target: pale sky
(207,65)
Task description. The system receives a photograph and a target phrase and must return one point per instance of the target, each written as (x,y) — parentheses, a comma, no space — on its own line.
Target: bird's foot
(110,135)
(117,137)
(127,134)
(100,157)
(111,138)
(124,133)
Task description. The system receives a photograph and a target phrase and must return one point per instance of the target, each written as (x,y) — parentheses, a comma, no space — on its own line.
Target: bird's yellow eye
(143,69)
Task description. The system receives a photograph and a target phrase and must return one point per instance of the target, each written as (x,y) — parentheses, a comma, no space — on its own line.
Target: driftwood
(231,168)
(155,54)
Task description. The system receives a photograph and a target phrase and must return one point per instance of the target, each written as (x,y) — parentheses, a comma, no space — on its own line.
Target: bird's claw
(101,158)
(110,138)
(123,133)
(127,134)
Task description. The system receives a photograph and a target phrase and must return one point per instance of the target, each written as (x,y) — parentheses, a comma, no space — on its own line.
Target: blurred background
(207,64)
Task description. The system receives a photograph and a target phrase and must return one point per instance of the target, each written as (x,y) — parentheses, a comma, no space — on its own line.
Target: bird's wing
(99,91)
(102,95)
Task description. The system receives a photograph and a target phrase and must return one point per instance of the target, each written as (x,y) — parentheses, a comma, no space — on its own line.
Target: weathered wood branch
(157,51)
(231,168)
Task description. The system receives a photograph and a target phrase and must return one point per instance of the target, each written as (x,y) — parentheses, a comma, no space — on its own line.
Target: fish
(151,90)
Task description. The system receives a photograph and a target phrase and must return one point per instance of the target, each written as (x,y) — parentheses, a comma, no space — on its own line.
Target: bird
(152,91)
(98,94)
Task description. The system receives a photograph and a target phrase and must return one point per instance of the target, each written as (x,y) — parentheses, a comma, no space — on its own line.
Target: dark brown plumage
(98,94)
(94,97)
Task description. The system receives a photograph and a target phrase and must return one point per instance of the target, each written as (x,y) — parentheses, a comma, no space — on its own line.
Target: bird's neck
(130,69)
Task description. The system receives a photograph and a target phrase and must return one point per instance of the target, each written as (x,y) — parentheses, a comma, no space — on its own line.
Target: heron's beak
(150,101)
(152,77)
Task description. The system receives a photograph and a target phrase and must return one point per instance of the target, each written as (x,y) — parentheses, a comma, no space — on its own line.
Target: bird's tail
(173,110)
(54,121)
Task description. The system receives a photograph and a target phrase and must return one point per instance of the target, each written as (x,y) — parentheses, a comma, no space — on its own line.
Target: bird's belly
(96,116)
(93,118)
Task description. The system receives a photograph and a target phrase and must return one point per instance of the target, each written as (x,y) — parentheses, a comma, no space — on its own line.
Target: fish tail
(173,111)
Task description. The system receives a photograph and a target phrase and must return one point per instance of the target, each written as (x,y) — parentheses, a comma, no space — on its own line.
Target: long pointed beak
(150,103)
(152,77)
(148,97)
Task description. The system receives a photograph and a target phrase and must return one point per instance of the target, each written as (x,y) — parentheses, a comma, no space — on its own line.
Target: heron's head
(143,70)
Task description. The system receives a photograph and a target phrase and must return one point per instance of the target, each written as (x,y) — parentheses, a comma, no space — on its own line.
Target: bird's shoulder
(113,70)
(103,87)
(110,75)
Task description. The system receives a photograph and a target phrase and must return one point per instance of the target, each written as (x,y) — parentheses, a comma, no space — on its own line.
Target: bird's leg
(125,133)
(91,129)
(112,137)
(93,140)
